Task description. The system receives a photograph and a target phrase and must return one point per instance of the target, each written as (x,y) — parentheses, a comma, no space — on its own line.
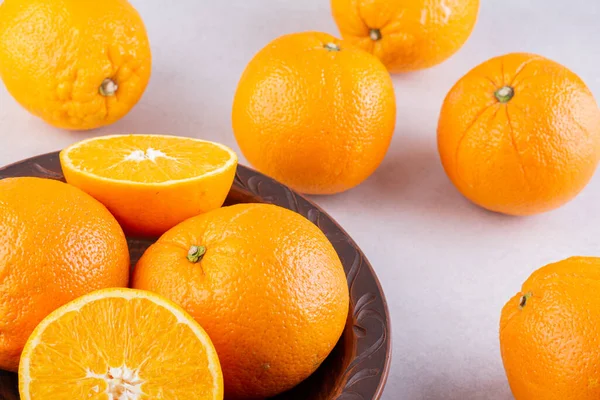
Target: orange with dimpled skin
(265,284)
(407,35)
(314,112)
(519,134)
(77,64)
(56,243)
(549,336)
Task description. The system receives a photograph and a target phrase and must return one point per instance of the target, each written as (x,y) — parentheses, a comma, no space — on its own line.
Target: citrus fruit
(407,35)
(519,134)
(120,344)
(549,333)
(56,243)
(264,282)
(150,182)
(314,113)
(77,64)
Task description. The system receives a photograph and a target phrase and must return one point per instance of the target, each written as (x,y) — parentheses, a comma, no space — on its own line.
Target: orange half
(151,182)
(116,344)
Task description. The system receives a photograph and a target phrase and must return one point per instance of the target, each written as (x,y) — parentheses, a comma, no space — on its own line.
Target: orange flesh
(148,159)
(157,351)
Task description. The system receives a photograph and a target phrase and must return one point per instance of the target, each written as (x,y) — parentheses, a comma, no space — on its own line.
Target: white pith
(122,383)
(150,154)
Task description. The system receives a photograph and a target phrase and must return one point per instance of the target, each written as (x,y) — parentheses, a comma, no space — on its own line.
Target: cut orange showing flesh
(120,344)
(151,182)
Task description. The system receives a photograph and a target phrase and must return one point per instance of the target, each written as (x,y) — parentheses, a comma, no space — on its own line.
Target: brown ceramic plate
(358,366)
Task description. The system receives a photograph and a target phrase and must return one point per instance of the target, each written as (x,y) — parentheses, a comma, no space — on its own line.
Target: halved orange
(151,182)
(116,344)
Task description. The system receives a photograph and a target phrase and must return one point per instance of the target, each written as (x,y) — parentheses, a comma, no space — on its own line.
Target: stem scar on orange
(519,134)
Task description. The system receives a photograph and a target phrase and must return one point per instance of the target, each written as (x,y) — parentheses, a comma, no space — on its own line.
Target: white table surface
(447,267)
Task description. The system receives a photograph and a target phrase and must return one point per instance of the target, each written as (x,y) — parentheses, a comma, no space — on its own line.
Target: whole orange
(407,35)
(77,64)
(265,284)
(314,113)
(56,243)
(550,331)
(519,134)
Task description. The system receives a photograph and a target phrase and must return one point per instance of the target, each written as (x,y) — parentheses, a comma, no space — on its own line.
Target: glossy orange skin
(413,34)
(550,347)
(529,155)
(55,54)
(56,244)
(318,120)
(270,291)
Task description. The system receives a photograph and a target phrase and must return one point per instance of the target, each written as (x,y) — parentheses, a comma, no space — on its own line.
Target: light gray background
(447,266)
